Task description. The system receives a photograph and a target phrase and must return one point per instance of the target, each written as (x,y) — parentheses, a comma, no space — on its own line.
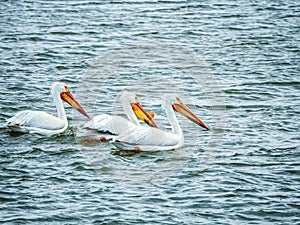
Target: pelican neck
(176,129)
(59,106)
(128,110)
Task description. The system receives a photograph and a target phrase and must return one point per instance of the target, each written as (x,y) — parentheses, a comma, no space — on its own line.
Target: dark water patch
(64,152)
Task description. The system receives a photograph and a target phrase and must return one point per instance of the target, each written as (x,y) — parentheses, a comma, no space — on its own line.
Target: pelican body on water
(112,125)
(38,122)
(153,139)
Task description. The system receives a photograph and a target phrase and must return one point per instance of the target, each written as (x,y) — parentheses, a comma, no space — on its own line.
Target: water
(251,54)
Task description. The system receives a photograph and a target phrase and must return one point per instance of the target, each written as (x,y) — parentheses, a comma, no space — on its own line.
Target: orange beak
(140,112)
(70,99)
(185,111)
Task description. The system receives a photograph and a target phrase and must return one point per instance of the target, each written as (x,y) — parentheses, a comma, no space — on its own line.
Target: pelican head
(65,94)
(136,109)
(180,107)
(142,114)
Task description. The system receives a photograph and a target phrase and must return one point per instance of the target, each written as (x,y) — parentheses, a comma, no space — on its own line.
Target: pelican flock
(122,133)
(38,122)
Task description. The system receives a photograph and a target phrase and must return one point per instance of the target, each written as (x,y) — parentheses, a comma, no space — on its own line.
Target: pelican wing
(148,138)
(34,119)
(109,124)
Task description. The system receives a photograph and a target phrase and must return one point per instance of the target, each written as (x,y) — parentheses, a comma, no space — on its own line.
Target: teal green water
(245,171)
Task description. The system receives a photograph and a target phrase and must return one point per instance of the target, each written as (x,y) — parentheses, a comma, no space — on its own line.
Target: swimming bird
(112,125)
(42,123)
(153,139)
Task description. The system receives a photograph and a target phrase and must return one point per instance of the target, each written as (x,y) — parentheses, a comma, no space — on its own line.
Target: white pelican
(153,139)
(111,126)
(42,123)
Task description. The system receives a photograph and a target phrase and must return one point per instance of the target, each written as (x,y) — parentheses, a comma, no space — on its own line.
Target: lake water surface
(237,65)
